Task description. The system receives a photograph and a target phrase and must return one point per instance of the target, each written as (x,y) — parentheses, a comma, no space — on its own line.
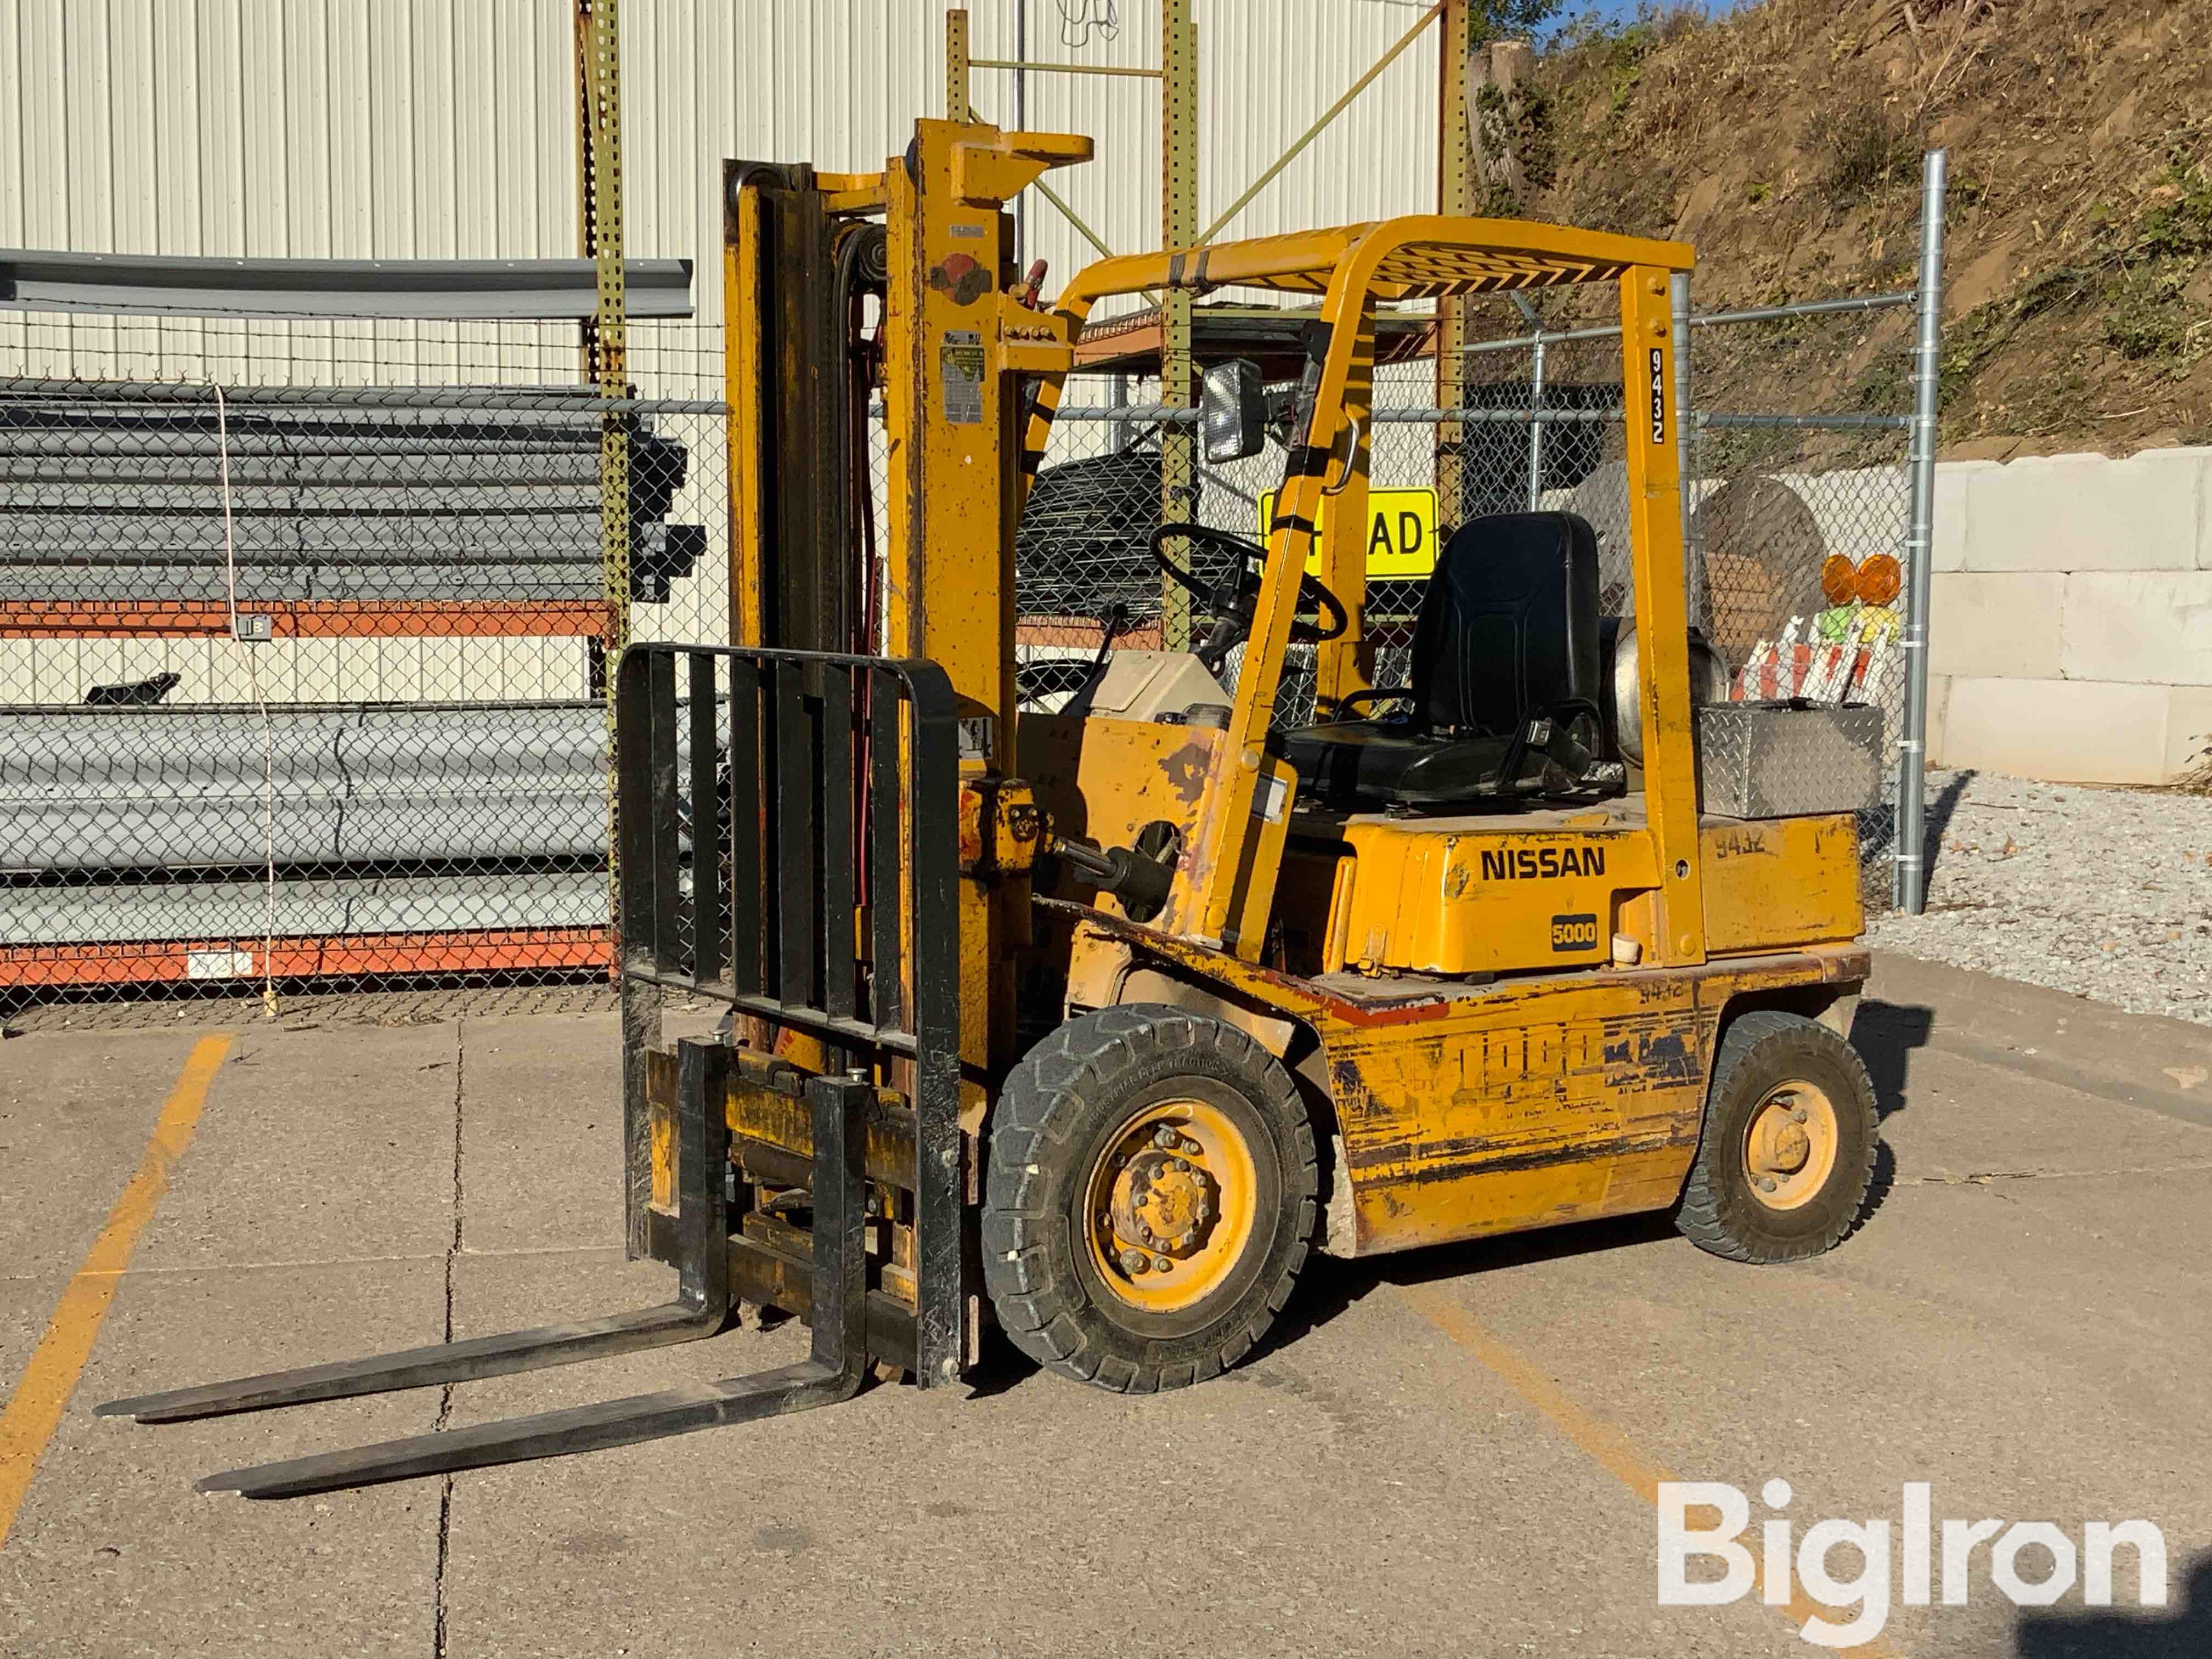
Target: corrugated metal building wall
(395,129)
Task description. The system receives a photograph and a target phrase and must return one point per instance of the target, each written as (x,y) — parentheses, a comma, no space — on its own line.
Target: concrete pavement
(1447,1452)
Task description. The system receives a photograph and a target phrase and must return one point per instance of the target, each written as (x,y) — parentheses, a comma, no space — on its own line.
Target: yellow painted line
(1597,1439)
(34,1410)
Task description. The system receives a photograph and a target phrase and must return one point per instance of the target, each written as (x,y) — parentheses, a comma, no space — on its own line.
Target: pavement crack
(1986,1177)
(446,1392)
(187,1268)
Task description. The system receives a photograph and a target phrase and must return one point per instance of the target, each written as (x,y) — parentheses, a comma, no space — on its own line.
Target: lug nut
(1179,1166)
(1205,1211)
(1192,1148)
(1764,1183)
(1163,1264)
(1164,1136)
(1133,1261)
(1188,1238)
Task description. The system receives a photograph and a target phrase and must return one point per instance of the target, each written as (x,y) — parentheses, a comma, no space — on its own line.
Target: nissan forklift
(1092,1024)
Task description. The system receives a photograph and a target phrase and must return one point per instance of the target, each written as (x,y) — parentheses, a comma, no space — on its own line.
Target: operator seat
(1502,692)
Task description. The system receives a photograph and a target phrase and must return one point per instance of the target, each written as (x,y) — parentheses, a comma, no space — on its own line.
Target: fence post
(1455,197)
(1911,888)
(1178,230)
(598,46)
(955,66)
(1535,497)
(1535,426)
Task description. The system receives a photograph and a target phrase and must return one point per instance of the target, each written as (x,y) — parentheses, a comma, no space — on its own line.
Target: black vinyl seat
(1502,692)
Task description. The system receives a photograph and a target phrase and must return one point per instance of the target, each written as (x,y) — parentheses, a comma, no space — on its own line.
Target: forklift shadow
(1886,1034)
(2184,1631)
(1330,1286)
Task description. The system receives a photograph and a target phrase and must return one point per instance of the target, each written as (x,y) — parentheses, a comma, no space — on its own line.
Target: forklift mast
(924,618)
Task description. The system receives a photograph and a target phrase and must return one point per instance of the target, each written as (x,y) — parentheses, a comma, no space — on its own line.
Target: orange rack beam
(245,960)
(69,619)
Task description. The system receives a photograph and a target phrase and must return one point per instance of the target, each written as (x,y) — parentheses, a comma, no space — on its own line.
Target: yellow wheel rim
(1169,1205)
(1790,1145)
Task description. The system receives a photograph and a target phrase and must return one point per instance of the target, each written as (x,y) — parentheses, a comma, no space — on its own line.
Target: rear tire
(1150,1200)
(1788,1150)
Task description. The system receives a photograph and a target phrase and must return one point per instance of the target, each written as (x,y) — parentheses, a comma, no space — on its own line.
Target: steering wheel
(1234,598)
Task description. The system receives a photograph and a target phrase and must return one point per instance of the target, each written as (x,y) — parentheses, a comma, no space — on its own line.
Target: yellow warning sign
(1401,533)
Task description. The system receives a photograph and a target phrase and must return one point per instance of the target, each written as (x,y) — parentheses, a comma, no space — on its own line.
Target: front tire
(1788,1150)
(1150,1200)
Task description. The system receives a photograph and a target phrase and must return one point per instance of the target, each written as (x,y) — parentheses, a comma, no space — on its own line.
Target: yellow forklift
(1091,1024)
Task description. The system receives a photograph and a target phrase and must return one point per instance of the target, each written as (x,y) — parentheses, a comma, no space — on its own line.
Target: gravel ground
(2106,893)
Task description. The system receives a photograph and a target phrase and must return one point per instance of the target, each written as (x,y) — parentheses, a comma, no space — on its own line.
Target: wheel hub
(1170,1208)
(1790,1145)
(1783,1146)
(1165,1201)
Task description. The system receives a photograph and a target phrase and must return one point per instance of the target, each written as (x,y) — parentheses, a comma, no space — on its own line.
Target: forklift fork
(700,1310)
(833,1371)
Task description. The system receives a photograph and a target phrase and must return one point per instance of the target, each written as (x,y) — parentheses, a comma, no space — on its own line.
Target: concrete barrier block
(1953,482)
(2089,512)
(2150,626)
(2204,513)
(2184,473)
(1996,624)
(1939,700)
(2060,730)
(2189,730)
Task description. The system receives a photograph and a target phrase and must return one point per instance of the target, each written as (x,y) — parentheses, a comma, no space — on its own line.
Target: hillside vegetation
(1785,140)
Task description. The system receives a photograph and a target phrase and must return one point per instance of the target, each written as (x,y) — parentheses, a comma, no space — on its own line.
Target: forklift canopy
(1421,257)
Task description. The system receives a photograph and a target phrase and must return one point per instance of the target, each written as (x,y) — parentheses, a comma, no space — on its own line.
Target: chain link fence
(304,630)
(1796,493)
(304,626)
